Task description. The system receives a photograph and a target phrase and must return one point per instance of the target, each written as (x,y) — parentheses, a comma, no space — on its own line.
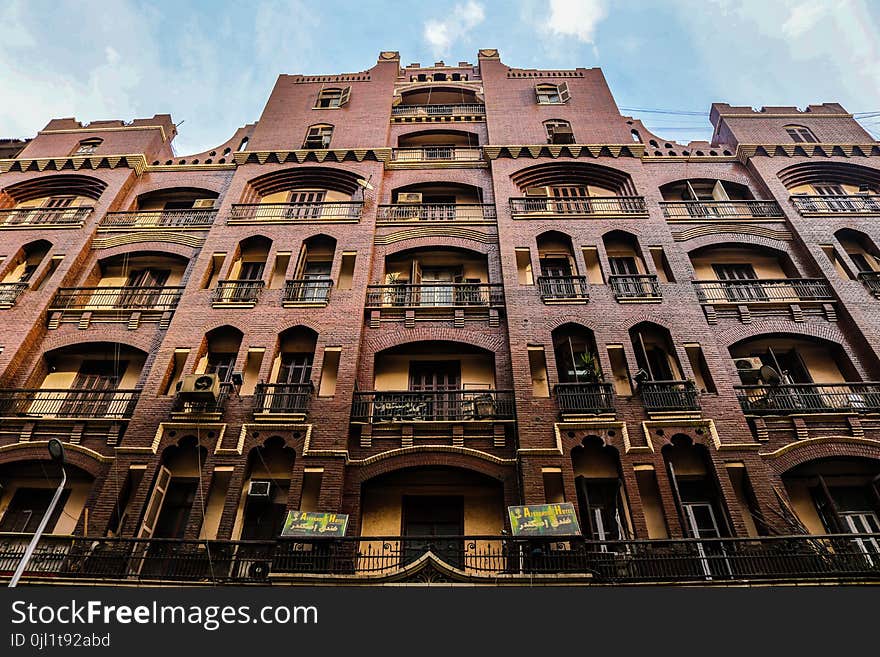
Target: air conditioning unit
(260,488)
(561,134)
(749,370)
(200,387)
(409,197)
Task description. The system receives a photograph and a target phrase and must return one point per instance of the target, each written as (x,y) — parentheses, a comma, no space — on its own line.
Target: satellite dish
(770,376)
(364,183)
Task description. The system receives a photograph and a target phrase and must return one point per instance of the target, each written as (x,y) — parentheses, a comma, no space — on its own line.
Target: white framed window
(333,97)
(552,94)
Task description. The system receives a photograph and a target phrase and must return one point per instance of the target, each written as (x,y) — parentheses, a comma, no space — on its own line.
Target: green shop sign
(544,520)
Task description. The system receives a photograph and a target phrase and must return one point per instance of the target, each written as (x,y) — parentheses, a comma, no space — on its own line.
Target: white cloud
(575,18)
(441,34)
(803,17)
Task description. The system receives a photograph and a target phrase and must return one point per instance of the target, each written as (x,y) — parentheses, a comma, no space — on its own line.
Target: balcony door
(740,291)
(93,385)
(244,288)
(53,203)
(438,286)
(558,272)
(832,204)
(440,207)
(221,364)
(316,277)
(293,375)
(431,518)
(571,200)
(306,204)
(441,383)
(599,501)
(139,279)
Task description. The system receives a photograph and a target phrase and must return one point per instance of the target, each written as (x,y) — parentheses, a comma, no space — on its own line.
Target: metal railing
(669,395)
(585,398)
(801,558)
(831,204)
(435,295)
(116,298)
(871,280)
(44,216)
(237,291)
(9,293)
(308,290)
(764,290)
(438,110)
(582,206)
(437,154)
(437,212)
(191,218)
(432,406)
(67,403)
(643,286)
(282,398)
(296,212)
(721,210)
(810,398)
(562,288)
(183,405)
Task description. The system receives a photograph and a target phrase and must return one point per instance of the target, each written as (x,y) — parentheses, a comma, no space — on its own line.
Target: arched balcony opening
(737,274)
(26,490)
(791,374)
(574,189)
(245,282)
(61,200)
(660,377)
(426,146)
(262,507)
(629,277)
(181,208)
(311,282)
(710,199)
(559,281)
(290,386)
(437,102)
(582,389)
(833,188)
(22,272)
(437,201)
(602,501)
(205,391)
(863,258)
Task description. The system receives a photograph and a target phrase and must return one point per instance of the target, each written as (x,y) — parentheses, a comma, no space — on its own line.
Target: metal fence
(871,280)
(437,153)
(643,286)
(585,206)
(435,295)
(282,398)
(308,290)
(237,291)
(562,288)
(669,395)
(438,110)
(67,403)
(437,212)
(432,406)
(44,216)
(9,293)
(295,212)
(587,398)
(764,290)
(721,210)
(810,398)
(191,218)
(843,204)
(116,298)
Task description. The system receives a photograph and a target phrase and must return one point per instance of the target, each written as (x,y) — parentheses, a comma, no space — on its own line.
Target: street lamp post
(56,452)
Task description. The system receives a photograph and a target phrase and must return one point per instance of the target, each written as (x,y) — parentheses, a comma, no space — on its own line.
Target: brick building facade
(419,295)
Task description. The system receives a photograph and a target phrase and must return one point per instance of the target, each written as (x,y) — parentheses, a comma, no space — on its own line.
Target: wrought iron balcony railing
(871,280)
(764,290)
(462,212)
(439,110)
(583,206)
(810,398)
(283,213)
(9,293)
(437,154)
(432,406)
(308,290)
(584,398)
(563,288)
(283,398)
(198,218)
(72,216)
(720,210)
(184,405)
(116,298)
(68,403)
(237,291)
(669,395)
(436,295)
(832,204)
(799,558)
(643,286)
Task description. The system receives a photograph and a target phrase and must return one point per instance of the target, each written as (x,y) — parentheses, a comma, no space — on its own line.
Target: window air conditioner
(409,197)
(200,387)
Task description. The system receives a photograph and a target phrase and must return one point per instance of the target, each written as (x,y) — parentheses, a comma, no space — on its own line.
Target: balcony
(184,408)
(307,292)
(540,207)
(296,213)
(237,293)
(468,109)
(69,217)
(584,398)
(9,293)
(445,212)
(489,559)
(192,219)
(643,287)
(377,407)
(42,403)
(287,399)
(438,154)
(564,289)
(782,290)
(434,296)
(855,204)
(802,398)
(871,280)
(662,396)
(721,210)
(101,300)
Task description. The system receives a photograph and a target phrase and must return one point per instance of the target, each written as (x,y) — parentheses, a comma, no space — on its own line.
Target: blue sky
(211,64)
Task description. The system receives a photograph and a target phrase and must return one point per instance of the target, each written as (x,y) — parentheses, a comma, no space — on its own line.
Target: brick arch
(239,323)
(737,239)
(216,185)
(140,340)
(825,331)
(553,322)
(169,248)
(735,175)
(200,433)
(414,457)
(301,323)
(814,449)
(251,442)
(399,337)
(78,456)
(437,242)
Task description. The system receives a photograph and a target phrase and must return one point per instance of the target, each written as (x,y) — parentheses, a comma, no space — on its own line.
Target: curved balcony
(461,109)
(852,204)
(720,210)
(430,154)
(445,212)
(293,213)
(191,219)
(584,398)
(782,290)
(801,398)
(69,217)
(60,403)
(376,407)
(540,207)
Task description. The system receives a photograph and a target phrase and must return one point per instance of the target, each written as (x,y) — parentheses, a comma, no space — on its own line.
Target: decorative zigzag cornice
(746,151)
(303,155)
(566,150)
(136,162)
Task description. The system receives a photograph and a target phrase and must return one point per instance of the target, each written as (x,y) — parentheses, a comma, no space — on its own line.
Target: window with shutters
(318,136)
(88,146)
(333,97)
(552,94)
(558,132)
(801,134)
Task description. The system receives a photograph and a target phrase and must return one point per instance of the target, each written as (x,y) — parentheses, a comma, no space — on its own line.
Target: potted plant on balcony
(587,367)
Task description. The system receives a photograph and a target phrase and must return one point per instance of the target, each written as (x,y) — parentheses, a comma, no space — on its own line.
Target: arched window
(333,97)
(801,134)
(559,132)
(88,146)
(552,94)
(318,136)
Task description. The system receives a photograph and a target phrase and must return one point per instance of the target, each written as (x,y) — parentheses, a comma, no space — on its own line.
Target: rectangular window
(652,505)
(333,97)
(329,371)
(346,270)
(552,94)
(279,271)
(311,490)
(253,362)
(524,266)
(745,496)
(700,367)
(834,257)
(214,505)
(538,370)
(27,507)
(318,136)
(661,264)
(178,361)
(616,355)
(214,270)
(554,491)
(54,263)
(122,510)
(594,269)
